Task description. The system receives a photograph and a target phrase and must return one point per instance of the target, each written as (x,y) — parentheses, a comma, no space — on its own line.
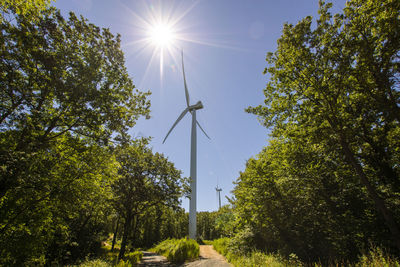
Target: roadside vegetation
(240,256)
(76,189)
(178,250)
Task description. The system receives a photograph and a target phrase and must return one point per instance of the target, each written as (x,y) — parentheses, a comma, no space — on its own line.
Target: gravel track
(208,258)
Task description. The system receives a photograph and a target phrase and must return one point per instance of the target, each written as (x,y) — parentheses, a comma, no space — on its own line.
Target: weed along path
(208,258)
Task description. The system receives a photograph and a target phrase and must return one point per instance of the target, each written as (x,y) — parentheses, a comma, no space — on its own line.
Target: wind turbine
(193,153)
(219,195)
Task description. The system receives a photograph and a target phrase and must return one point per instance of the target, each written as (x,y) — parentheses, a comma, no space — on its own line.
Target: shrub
(134,257)
(221,245)
(259,259)
(95,263)
(376,257)
(178,250)
(122,263)
(237,258)
(242,243)
(164,246)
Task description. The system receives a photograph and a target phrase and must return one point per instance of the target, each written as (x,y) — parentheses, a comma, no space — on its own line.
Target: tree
(146,179)
(339,83)
(65,94)
(225,222)
(62,76)
(298,197)
(30,8)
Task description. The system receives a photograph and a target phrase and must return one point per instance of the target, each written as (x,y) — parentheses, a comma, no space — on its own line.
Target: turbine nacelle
(196,106)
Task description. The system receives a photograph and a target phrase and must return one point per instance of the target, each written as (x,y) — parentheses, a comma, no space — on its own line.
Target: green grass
(376,258)
(95,263)
(111,257)
(253,259)
(178,250)
(134,257)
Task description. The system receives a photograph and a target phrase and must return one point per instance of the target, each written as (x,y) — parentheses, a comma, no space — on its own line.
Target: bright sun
(162,35)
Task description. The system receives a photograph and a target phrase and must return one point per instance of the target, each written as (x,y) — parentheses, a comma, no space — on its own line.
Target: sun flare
(161,35)
(163,31)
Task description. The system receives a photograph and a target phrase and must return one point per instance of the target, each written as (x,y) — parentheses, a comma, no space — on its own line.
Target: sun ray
(160,28)
(148,67)
(161,62)
(213,44)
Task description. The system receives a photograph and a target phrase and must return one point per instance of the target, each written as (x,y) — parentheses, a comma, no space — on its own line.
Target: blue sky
(224,43)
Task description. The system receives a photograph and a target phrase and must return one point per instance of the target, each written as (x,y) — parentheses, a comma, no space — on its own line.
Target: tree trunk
(125,235)
(135,227)
(379,202)
(115,235)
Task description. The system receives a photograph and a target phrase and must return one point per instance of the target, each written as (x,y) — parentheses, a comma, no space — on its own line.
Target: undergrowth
(178,250)
(376,257)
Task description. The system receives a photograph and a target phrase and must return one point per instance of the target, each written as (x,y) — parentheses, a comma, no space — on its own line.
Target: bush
(259,259)
(95,263)
(376,257)
(122,263)
(221,245)
(227,248)
(242,243)
(178,250)
(134,257)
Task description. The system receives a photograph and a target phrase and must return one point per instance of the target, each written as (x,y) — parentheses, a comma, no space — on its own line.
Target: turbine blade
(184,81)
(202,129)
(176,122)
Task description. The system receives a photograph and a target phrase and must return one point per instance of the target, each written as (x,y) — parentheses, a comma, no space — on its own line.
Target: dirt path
(208,258)
(152,259)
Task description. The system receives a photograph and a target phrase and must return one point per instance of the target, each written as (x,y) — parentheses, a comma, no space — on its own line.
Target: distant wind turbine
(219,195)
(193,154)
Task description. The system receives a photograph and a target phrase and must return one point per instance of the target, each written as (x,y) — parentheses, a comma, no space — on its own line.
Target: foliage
(134,257)
(95,263)
(377,258)
(146,179)
(306,203)
(28,8)
(216,224)
(251,258)
(122,263)
(158,223)
(327,185)
(242,243)
(178,250)
(206,227)
(225,222)
(221,245)
(55,127)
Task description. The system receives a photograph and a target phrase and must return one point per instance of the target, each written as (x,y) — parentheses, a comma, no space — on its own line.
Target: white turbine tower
(193,159)
(218,190)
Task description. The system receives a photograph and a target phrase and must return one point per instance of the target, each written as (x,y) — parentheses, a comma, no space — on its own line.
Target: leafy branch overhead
(335,85)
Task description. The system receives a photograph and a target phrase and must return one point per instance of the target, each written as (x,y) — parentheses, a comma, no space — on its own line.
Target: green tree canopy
(29,8)
(337,84)
(65,94)
(299,197)
(146,179)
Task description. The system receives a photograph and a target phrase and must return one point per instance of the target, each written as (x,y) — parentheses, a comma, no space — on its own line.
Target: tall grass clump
(95,263)
(377,258)
(134,257)
(225,247)
(178,250)
(221,245)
